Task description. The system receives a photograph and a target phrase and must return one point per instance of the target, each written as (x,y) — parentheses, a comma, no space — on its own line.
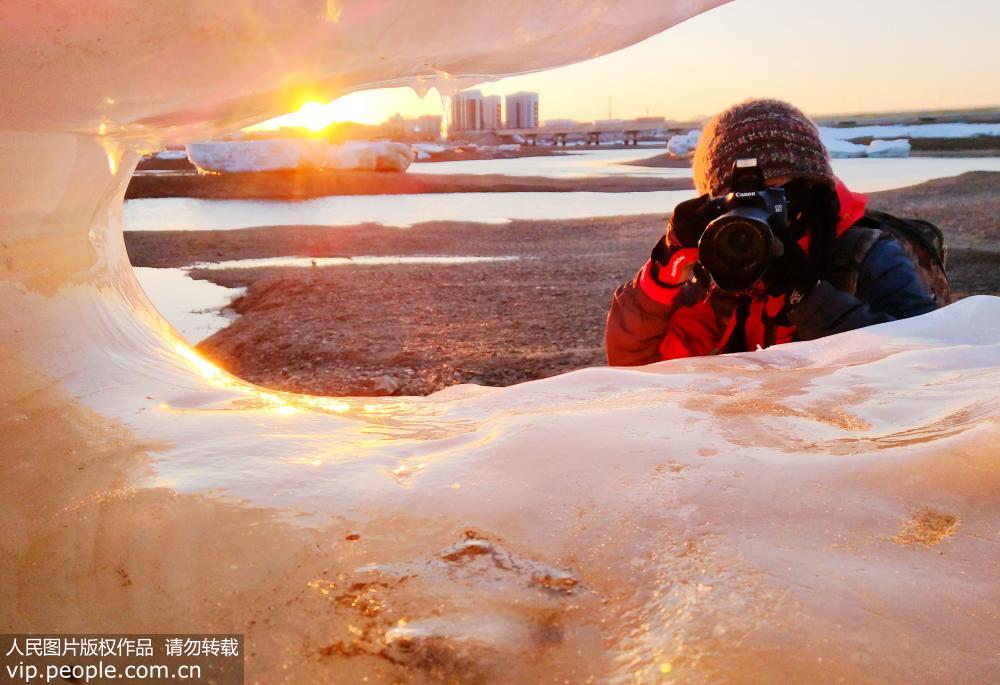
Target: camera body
(739,246)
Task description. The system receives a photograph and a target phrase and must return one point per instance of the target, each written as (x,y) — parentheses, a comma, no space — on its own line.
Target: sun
(365,107)
(313,116)
(316,117)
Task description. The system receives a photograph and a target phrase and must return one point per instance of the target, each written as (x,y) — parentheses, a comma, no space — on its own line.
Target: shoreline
(414,329)
(302,185)
(177,178)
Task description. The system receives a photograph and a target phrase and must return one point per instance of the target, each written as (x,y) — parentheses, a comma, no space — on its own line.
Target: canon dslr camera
(738,247)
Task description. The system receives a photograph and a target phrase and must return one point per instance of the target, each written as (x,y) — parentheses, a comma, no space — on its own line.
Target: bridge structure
(629,131)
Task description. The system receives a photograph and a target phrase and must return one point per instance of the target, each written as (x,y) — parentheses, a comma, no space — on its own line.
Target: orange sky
(829,57)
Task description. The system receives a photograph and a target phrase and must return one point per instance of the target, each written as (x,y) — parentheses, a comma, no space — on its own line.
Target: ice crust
(763,517)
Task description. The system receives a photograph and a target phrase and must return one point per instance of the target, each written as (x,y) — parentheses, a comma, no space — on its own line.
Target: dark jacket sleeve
(889,288)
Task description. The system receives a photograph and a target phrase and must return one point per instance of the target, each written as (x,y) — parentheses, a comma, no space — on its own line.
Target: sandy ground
(415,329)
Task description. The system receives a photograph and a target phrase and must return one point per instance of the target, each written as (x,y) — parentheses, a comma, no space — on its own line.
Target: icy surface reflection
(193,307)
(194,214)
(817,513)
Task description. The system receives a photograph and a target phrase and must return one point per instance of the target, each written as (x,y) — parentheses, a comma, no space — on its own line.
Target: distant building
(427,126)
(522,110)
(492,119)
(561,123)
(394,127)
(467,111)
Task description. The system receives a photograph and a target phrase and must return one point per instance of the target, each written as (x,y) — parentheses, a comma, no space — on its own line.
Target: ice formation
(683,145)
(427,150)
(890,139)
(235,156)
(888,148)
(842,149)
(171,155)
(823,511)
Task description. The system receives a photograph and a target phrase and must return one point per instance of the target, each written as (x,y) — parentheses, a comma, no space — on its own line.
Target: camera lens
(736,249)
(740,244)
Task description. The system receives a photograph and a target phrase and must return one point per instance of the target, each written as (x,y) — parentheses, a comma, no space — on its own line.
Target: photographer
(781,262)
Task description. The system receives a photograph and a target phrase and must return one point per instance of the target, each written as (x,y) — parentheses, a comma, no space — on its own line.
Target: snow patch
(239,156)
(889,148)
(841,149)
(953,130)
(171,154)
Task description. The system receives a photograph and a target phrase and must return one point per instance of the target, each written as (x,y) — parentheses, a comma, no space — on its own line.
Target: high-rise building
(394,126)
(467,111)
(522,110)
(492,118)
(427,126)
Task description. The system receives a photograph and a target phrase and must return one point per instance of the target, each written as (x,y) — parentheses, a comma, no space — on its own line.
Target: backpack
(921,241)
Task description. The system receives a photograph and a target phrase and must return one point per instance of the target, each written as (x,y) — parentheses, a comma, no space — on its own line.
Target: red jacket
(649,322)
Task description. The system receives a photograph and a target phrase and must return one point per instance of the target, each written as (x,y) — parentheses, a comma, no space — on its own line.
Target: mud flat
(664,160)
(417,328)
(300,185)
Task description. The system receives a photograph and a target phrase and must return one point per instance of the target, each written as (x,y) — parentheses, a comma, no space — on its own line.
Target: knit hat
(782,138)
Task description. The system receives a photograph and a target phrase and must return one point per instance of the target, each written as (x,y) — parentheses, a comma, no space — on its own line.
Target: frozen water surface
(193,307)
(187,214)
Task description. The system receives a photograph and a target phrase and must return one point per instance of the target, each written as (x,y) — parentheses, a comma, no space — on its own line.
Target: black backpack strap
(851,250)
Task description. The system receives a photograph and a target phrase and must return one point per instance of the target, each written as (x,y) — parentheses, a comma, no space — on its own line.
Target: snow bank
(955,130)
(889,148)
(840,149)
(292,153)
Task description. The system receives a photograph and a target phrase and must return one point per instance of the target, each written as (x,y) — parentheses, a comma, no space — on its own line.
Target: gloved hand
(793,274)
(676,270)
(690,218)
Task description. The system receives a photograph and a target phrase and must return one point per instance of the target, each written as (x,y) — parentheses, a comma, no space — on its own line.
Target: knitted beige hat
(782,138)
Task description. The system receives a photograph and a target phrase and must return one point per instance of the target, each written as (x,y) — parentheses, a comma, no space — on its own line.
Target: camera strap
(737,341)
(771,324)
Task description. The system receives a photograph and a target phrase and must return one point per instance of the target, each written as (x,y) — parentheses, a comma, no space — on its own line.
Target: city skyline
(892,55)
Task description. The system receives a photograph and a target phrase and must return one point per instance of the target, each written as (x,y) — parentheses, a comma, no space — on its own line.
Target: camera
(737,247)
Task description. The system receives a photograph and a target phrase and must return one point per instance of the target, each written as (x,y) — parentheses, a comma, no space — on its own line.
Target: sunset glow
(316,116)
(369,108)
(673,75)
